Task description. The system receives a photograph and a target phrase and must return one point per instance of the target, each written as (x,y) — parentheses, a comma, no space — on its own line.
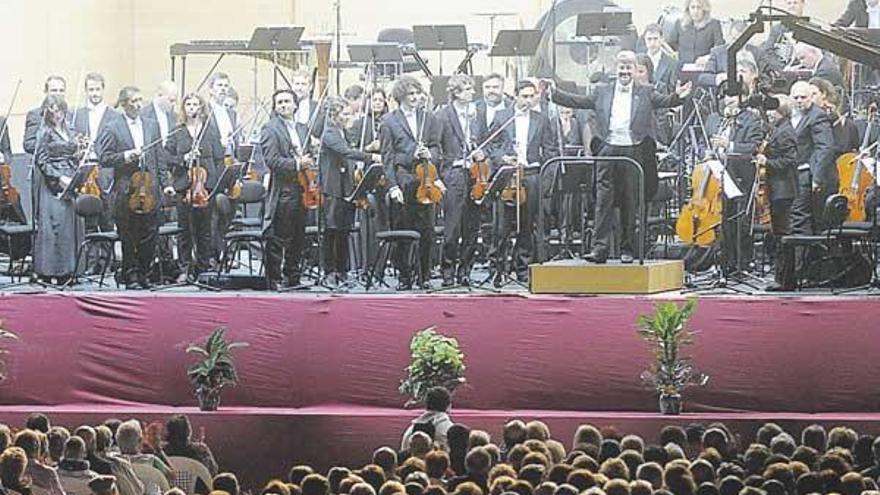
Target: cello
(698,218)
(855,178)
(762,194)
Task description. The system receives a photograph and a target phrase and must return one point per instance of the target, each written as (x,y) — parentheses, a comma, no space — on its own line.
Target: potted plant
(214,370)
(436,361)
(5,333)
(666,333)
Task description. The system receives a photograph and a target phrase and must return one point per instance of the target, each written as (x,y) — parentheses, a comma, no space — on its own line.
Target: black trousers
(195,225)
(461,224)
(616,185)
(138,235)
(808,209)
(412,215)
(285,238)
(780,225)
(505,229)
(336,251)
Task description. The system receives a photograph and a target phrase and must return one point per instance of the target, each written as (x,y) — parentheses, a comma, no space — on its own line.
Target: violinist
(285,143)
(225,120)
(58,227)
(336,161)
(194,148)
(779,161)
(494,99)
(367,124)
(461,131)
(410,135)
(121,147)
(526,142)
(54,85)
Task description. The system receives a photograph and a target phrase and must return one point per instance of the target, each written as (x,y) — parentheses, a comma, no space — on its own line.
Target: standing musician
(494,99)
(285,143)
(410,135)
(625,118)
(8,212)
(527,141)
(54,85)
(461,130)
(861,13)
(305,111)
(225,120)
(336,161)
(844,130)
(779,161)
(565,204)
(665,67)
(195,146)
(817,175)
(58,228)
(121,147)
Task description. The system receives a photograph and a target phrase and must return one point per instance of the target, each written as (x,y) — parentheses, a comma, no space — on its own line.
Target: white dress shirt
(491,110)
(294,136)
(621,113)
(874,17)
(303,112)
(96,113)
(521,123)
(224,123)
(412,120)
(136,128)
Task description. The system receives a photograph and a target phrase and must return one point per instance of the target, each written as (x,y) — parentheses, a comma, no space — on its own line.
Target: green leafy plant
(5,333)
(436,361)
(666,333)
(216,367)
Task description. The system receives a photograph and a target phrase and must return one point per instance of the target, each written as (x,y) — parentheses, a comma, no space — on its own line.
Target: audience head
(103,485)
(38,422)
(226,482)
(296,474)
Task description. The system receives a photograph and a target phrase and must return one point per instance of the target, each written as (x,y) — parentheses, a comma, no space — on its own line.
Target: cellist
(196,145)
(120,146)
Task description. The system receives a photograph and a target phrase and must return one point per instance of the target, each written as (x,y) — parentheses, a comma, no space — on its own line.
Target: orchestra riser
(582,277)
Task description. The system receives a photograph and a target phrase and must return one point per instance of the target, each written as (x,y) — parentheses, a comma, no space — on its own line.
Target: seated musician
(121,147)
(716,65)
(818,63)
(778,163)
(696,33)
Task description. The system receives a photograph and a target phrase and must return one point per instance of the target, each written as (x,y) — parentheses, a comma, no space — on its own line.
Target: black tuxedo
(233,119)
(285,211)
(461,216)
(782,185)
(399,144)
(149,112)
(82,125)
(617,183)
(856,15)
(195,222)
(829,71)
(540,147)
(336,162)
(32,122)
(138,232)
(482,116)
(665,74)
(815,159)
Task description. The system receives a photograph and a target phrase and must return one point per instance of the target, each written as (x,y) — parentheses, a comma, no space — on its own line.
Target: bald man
(813,59)
(817,175)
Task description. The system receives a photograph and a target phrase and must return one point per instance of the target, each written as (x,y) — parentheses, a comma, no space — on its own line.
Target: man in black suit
(665,67)
(121,147)
(812,58)
(527,142)
(861,13)
(461,130)
(716,66)
(162,110)
(779,161)
(284,143)
(54,85)
(817,175)
(493,99)
(625,117)
(225,120)
(410,135)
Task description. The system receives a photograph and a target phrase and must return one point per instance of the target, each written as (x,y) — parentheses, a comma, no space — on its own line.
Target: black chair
(90,207)
(388,241)
(245,231)
(16,241)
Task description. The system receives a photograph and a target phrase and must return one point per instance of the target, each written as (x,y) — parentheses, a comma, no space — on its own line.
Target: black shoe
(464,281)
(404,285)
(425,285)
(448,282)
(776,287)
(522,277)
(498,280)
(626,258)
(597,257)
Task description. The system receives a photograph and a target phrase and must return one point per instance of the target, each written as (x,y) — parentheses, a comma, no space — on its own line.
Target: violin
(198,194)
(308,181)
(480,173)
(515,192)
(855,177)
(9,195)
(142,198)
(762,193)
(427,193)
(699,217)
(235,189)
(90,186)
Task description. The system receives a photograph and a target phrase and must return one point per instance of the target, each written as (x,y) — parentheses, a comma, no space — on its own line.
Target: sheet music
(728,185)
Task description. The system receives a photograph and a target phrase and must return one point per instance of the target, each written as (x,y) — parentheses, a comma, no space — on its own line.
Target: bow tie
(624,89)
(133,121)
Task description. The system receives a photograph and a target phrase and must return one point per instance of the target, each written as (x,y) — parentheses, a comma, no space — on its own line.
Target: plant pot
(209,398)
(670,404)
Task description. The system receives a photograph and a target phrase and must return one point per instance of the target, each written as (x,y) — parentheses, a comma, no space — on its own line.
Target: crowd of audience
(440,457)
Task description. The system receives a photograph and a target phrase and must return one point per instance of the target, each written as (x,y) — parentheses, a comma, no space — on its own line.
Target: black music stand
(375,54)
(276,39)
(516,43)
(604,25)
(440,38)
(367,184)
(228,176)
(79,177)
(500,180)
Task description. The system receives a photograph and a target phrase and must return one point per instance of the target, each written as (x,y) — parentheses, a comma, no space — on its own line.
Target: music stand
(440,38)
(276,39)
(516,43)
(375,54)
(500,180)
(367,184)
(79,177)
(603,24)
(227,177)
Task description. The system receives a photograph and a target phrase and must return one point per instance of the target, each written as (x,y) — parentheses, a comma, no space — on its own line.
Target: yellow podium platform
(583,277)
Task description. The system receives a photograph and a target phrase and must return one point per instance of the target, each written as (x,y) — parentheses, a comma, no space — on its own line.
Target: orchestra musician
(196,144)
(461,130)
(527,142)
(285,144)
(779,161)
(665,67)
(224,120)
(819,65)
(779,45)
(565,182)
(58,228)
(695,33)
(817,175)
(410,135)
(493,99)
(336,161)
(54,85)
(626,127)
(861,13)
(844,129)
(121,147)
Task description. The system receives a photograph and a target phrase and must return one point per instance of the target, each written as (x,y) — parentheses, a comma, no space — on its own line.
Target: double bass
(855,178)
